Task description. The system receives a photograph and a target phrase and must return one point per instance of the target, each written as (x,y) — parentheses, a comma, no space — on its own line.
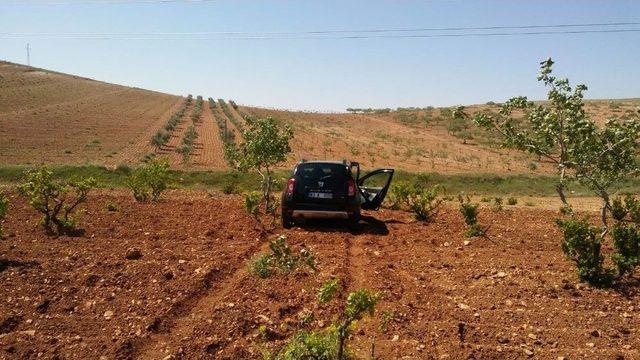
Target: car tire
(354,222)
(287,221)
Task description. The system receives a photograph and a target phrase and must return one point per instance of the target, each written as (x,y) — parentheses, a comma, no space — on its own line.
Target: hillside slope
(48,117)
(419,140)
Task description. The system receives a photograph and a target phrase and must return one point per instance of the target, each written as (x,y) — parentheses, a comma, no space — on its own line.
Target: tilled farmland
(171,280)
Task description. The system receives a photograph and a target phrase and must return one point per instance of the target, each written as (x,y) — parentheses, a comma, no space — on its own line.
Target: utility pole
(28,55)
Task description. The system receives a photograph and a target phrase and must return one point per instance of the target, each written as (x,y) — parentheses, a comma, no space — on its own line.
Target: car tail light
(351,188)
(291,184)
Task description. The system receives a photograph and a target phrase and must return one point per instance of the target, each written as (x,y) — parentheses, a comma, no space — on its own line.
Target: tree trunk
(342,332)
(605,206)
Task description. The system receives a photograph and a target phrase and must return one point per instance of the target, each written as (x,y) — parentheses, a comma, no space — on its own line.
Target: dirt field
(189,294)
(56,118)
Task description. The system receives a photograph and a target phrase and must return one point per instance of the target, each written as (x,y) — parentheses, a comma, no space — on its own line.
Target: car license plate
(320,195)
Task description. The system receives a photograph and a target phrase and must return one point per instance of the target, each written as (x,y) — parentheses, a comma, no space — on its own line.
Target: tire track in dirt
(181,320)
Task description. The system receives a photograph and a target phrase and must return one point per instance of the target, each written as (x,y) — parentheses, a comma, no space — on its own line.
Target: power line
(101,2)
(384,36)
(323,32)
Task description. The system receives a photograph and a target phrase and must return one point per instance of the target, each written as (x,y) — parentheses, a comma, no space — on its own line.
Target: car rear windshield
(310,174)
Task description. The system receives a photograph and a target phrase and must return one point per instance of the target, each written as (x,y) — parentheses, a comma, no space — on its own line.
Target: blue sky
(329,74)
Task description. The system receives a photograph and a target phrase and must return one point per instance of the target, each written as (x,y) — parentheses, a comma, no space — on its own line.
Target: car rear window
(310,174)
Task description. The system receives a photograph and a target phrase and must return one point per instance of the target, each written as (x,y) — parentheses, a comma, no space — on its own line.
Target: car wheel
(354,222)
(287,221)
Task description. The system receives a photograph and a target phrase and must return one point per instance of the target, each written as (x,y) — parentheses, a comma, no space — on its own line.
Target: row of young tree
(229,115)
(226,135)
(161,137)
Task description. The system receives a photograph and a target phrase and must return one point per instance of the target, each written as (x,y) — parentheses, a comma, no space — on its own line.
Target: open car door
(373,188)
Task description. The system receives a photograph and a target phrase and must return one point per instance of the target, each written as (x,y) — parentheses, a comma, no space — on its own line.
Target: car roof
(339,162)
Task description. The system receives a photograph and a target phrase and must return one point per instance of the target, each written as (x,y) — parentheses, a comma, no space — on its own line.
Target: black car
(332,189)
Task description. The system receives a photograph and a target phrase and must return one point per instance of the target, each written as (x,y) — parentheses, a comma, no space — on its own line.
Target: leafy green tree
(560,131)
(265,145)
(56,200)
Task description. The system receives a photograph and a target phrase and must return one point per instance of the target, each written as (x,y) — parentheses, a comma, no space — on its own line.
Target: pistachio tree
(265,144)
(559,131)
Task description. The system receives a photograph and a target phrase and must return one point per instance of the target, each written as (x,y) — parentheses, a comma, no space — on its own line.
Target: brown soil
(56,118)
(190,295)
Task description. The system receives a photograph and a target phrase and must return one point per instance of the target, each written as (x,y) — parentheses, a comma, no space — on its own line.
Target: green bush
(260,266)
(512,201)
(328,290)
(497,203)
(252,201)
(159,139)
(111,206)
(4,206)
(58,201)
(280,259)
(398,195)
(470,212)
(330,343)
(626,242)
(422,201)
(149,181)
(316,345)
(582,244)
(425,204)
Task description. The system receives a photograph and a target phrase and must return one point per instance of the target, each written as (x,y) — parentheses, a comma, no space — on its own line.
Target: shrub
(497,203)
(56,200)
(469,212)
(149,181)
(423,202)
(4,206)
(512,201)
(230,187)
(582,244)
(185,151)
(111,206)
(317,345)
(330,344)
(252,202)
(328,290)
(626,242)
(280,259)
(260,266)
(398,195)
(159,139)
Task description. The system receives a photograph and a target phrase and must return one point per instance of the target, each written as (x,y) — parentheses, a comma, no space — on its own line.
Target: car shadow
(8,263)
(367,225)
